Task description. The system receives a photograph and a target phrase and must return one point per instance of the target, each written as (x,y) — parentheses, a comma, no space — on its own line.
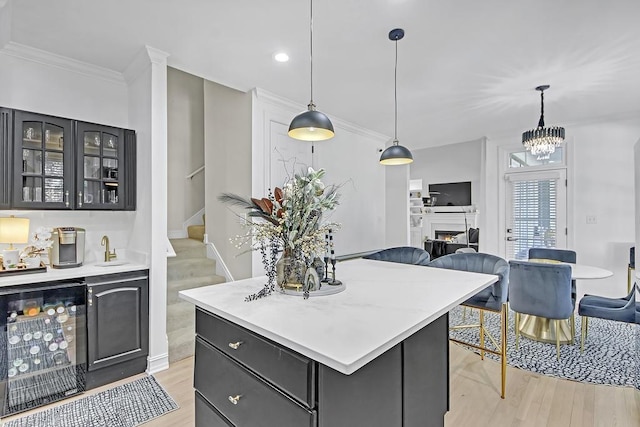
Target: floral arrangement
(40,243)
(288,220)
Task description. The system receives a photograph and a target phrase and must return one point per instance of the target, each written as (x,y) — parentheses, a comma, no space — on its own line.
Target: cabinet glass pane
(92,167)
(110,169)
(31,189)
(31,161)
(53,163)
(111,193)
(32,134)
(110,147)
(92,143)
(91,192)
(53,137)
(53,190)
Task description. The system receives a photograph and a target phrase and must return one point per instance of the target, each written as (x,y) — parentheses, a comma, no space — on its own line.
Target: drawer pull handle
(235,399)
(235,345)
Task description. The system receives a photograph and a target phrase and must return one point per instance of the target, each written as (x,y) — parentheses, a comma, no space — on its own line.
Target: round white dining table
(543,329)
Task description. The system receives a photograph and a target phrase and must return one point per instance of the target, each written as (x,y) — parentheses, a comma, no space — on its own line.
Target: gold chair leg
(464,314)
(583,333)
(503,349)
(557,322)
(482,334)
(573,327)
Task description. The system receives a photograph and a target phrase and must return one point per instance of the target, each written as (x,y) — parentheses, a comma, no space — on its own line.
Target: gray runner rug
(611,352)
(127,405)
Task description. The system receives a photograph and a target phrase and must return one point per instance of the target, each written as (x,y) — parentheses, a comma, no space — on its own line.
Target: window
(524,159)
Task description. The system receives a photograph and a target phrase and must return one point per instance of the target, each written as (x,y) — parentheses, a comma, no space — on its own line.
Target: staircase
(190,268)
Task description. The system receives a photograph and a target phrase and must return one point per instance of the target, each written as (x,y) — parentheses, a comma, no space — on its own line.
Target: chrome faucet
(108,255)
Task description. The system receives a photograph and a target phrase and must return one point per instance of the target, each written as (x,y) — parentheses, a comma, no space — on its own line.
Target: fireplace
(447,235)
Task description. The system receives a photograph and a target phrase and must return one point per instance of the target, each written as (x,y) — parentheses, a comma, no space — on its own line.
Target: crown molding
(43,57)
(144,58)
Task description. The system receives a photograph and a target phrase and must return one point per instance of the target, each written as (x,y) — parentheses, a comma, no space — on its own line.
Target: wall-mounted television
(450,194)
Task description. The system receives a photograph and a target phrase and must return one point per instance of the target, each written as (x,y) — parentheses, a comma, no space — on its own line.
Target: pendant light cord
(311,49)
(541,121)
(395,96)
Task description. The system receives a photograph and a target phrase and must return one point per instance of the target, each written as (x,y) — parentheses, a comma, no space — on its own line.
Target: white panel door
(536,213)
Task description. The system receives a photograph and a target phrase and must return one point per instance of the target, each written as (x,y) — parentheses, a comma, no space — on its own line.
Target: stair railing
(195,172)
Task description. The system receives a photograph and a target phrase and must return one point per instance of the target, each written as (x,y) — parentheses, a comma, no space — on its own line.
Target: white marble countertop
(383,304)
(90,269)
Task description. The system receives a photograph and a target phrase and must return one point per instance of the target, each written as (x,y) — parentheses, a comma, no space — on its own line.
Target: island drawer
(206,415)
(242,397)
(288,370)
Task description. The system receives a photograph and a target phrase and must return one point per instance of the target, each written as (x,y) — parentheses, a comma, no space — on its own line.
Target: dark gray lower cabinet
(245,380)
(117,326)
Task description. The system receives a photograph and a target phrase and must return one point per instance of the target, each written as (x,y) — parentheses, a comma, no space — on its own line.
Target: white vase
(32,261)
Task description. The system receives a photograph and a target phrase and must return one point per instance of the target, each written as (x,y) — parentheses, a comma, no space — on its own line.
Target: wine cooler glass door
(43,346)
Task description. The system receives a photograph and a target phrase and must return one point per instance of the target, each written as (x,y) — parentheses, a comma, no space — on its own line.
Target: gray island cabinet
(373,355)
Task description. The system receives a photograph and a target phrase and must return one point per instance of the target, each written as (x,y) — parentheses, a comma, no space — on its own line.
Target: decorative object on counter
(288,220)
(13,230)
(41,242)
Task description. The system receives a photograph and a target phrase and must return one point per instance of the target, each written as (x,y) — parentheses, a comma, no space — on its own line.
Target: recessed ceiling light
(281,57)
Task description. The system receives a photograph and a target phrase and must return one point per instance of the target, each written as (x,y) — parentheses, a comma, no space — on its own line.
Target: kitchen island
(373,355)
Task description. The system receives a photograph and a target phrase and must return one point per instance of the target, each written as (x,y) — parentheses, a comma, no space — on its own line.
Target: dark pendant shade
(311,125)
(396,155)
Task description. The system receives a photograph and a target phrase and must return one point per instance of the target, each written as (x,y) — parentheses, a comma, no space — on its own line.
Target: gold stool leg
(503,349)
(482,334)
(557,322)
(517,331)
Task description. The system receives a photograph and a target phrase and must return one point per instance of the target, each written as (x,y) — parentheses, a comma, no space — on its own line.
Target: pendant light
(396,154)
(311,125)
(542,141)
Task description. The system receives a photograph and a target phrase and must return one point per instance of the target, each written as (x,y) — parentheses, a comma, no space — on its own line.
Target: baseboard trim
(158,363)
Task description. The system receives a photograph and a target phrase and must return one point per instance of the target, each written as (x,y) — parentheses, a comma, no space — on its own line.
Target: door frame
(503,155)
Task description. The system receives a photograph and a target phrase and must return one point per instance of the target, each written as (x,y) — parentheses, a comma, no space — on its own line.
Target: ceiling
(466,68)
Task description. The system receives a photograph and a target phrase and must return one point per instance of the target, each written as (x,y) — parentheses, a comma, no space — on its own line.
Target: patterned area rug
(611,352)
(127,405)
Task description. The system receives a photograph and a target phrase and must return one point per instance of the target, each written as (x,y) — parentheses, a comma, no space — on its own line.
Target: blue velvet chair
(493,299)
(403,255)
(617,309)
(562,255)
(541,290)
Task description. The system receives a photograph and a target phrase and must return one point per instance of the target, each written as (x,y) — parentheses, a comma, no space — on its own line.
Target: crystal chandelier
(542,141)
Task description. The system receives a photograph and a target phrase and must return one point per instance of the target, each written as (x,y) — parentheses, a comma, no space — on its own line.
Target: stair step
(190,267)
(181,343)
(196,232)
(175,286)
(179,315)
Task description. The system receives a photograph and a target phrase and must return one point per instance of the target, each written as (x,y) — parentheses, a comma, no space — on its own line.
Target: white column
(146,77)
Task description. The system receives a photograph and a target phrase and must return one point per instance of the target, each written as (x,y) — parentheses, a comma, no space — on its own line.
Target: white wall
(185,127)
(600,183)
(636,149)
(227,130)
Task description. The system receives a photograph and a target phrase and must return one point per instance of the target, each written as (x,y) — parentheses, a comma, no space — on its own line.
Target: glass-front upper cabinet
(6,128)
(100,174)
(43,162)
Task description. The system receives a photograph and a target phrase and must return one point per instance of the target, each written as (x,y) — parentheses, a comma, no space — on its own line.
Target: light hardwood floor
(532,400)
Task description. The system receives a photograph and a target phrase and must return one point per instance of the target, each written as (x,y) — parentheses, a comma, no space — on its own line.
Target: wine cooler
(42,344)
